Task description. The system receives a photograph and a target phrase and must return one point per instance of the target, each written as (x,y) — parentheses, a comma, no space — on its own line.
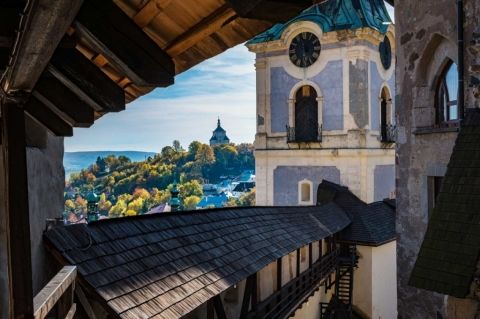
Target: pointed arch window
(447,95)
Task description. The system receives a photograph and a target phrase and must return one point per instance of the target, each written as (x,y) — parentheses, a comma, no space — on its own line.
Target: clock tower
(325,107)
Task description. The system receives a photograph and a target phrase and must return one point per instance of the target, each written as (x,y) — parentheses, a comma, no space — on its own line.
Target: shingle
(167,265)
(454,228)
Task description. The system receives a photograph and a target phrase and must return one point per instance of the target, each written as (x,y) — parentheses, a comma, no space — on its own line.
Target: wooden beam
(45,116)
(17,209)
(310,255)
(109,31)
(42,26)
(219,310)
(87,81)
(48,297)
(84,302)
(247,296)
(271,10)
(60,99)
(210,309)
(279,273)
(201,30)
(298,263)
(149,11)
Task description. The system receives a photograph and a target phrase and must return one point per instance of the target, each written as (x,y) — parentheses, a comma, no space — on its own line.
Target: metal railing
(294,135)
(58,293)
(388,133)
(293,294)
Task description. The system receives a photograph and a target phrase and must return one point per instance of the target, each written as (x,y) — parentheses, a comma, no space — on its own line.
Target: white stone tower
(325,88)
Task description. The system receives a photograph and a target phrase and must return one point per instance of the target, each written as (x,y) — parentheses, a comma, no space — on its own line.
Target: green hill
(128,187)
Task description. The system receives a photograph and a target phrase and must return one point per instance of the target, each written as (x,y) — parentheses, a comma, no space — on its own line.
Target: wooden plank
(219,309)
(46,299)
(42,114)
(270,10)
(208,26)
(83,78)
(72,311)
(17,208)
(108,30)
(310,255)
(247,296)
(279,273)
(149,11)
(42,26)
(84,301)
(60,99)
(298,263)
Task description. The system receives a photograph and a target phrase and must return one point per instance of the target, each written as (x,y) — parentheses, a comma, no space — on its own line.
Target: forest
(127,188)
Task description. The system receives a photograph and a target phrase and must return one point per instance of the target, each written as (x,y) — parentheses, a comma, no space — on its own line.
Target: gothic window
(446,95)
(306,115)
(305,192)
(387,129)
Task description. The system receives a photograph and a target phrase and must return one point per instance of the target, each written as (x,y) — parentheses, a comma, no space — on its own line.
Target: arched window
(447,95)
(387,128)
(306,115)
(305,192)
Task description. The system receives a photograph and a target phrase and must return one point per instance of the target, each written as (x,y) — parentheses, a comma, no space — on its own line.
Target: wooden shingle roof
(372,224)
(166,265)
(450,250)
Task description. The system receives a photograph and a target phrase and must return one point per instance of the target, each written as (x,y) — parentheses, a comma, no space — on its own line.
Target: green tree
(190,202)
(177,146)
(192,188)
(119,209)
(248,199)
(193,149)
(104,205)
(205,155)
(136,205)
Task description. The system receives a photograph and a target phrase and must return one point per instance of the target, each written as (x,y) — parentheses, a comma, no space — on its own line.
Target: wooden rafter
(270,10)
(109,31)
(60,99)
(201,30)
(42,26)
(49,119)
(81,76)
(149,11)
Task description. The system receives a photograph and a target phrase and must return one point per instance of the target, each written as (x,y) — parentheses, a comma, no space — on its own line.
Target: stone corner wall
(45,186)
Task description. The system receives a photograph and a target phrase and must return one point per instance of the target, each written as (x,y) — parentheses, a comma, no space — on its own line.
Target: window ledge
(437,129)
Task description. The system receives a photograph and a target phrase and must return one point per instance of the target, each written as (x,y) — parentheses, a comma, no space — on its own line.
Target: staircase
(341,304)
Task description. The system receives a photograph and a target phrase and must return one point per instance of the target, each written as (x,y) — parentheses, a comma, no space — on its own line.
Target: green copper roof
(333,15)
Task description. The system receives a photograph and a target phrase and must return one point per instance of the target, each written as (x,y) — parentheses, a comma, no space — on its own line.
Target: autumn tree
(190,202)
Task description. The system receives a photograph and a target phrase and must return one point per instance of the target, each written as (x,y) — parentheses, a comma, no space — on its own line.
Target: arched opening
(305,195)
(446,95)
(306,115)
(387,128)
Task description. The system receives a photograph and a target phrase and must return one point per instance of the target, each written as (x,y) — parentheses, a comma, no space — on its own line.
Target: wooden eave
(112,52)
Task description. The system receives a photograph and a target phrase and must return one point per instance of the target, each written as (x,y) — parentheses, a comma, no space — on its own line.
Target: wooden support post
(279,274)
(219,310)
(17,210)
(298,262)
(320,249)
(210,310)
(247,296)
(255,291)
(310,255)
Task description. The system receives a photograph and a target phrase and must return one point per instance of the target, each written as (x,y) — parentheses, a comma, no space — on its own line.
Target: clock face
(385,50)
(305,49)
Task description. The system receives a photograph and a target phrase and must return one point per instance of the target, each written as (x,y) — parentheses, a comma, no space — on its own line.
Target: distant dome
(219,136)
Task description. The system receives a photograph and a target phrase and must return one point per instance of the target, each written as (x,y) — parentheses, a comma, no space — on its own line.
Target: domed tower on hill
(219,136)
(325,110)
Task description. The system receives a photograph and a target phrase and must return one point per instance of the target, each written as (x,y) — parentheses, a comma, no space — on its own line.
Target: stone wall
(45,186)
(426,39)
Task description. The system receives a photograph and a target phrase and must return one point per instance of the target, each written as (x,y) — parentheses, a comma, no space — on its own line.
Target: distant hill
(75,161)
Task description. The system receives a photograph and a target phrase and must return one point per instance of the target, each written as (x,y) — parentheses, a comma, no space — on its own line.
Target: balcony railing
(58,293)
(302,135)
(388,133)
(294,293)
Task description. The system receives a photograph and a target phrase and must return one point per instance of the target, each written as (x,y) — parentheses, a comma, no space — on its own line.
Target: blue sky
(222,86)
